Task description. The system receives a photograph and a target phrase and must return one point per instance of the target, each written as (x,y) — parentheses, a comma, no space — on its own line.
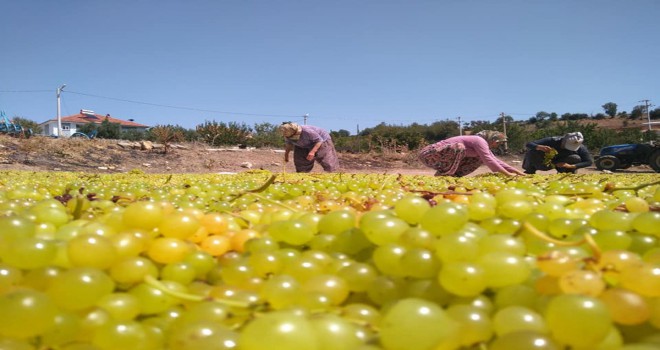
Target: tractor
(624,156)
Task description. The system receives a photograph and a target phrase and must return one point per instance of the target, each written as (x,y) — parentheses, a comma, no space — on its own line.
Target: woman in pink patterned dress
(462,155)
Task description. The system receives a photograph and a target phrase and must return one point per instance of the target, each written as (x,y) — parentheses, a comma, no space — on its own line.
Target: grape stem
(274,202)
(261,188)
(636,188)
(587,239)
(150,280)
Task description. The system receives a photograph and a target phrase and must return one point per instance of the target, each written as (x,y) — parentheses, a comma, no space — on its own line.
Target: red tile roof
(84,118)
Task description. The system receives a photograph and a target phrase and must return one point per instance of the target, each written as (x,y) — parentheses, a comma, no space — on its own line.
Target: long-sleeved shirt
(477,147)
(555,142)
(309,136)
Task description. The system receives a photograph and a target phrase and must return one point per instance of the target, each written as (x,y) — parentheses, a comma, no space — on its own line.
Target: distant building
(71,124)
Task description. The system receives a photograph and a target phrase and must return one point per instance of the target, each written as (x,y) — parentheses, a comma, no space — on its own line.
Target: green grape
(501,243)
(25,313)
(279,330)
(10,277)
(582,282)
(563,228)
(416,324)
(613,262)
(14,227)
(445,218)
(416,237)
(463,278)
(411,208)
(80,288)
(133,270)
(179,225)
(30,253)
(202,334)
(385,230)
(457,247)
(333,287)
(40,279)
(358,276)
(512,319)
(647,223)
(515,209)
(361,313)
(152,300)
(202,262)
(642,278)
(127,335)
(640,243)
(524,340)
(502,269)
(120,306)
(210,311)
(475,325)
(303,269)
(611,220)
(335,333)
(551,211)
(626,307)
(351,242)
(516,295)
(143,215)
(266,263)
(636,205)
(419,263)
(387,258)
(510,194)
(336,222)
(167,250)
(612,239)
(129,244)
(280,291)
(577,320)
(556,263)
(384,290)
(91,251)
(293,232)
(261,244)
(238,274)
(64,330)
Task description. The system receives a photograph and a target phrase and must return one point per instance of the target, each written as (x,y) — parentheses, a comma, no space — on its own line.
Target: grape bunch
(329,261)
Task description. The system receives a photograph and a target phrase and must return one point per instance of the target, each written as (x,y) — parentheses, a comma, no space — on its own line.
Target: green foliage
(88,128)
(166,135)
(220,133)
(109,130)
(27,124)
(610,109)
(266,135)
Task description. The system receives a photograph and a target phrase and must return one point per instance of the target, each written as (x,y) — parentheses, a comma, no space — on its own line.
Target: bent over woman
(462,155)
(309,144)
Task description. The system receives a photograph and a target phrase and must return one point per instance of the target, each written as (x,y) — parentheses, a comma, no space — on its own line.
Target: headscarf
(492,136)
(290,130)
(572,141)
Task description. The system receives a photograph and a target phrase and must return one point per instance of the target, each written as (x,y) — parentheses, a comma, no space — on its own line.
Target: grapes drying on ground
(277,261)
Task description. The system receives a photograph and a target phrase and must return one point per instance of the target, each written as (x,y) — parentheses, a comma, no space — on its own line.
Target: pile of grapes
(329,261)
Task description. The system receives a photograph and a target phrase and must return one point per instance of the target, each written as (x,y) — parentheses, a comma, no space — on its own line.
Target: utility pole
(506,143)
(305,118)
(460,127)
(648,113)
(59,115)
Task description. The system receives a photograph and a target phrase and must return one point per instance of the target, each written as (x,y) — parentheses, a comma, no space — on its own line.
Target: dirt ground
(112,156)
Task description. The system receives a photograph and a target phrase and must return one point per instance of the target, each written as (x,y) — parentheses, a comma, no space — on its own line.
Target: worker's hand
(311,155)
(565,165)
(544,148)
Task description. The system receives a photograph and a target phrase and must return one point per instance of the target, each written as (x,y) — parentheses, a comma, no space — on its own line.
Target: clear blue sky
(343,62)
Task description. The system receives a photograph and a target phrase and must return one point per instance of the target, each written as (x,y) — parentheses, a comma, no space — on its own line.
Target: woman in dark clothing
(570,154)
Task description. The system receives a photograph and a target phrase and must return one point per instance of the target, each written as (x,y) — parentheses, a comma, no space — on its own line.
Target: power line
(181,107)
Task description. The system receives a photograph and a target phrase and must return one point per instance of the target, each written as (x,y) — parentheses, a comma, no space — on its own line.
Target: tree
(610,109)
(27,124)
(637,112)
(109,130)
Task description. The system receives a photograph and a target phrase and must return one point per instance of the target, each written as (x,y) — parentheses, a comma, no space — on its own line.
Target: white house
(71,124)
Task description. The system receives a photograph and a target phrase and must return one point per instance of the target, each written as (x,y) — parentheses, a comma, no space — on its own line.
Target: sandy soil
(111,156)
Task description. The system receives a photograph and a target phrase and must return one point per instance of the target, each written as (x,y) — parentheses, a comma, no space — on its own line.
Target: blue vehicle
(624,156)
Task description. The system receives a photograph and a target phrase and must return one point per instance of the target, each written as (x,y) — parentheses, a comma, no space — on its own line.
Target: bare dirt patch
(112,156)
